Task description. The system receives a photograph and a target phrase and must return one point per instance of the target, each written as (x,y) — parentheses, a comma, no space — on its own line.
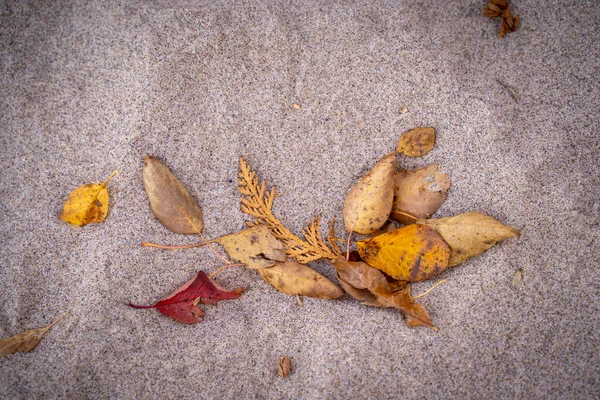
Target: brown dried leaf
(370,286)
(470,234)
(25,341)
(500,3)
(416,142)
(369,202)
(284,365)
(419,193)
(256,247)
(408,254)
(294,278)
(509,23)
(171,203)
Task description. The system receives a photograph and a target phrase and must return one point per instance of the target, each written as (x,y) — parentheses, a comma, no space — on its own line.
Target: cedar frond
(331,239)
(257,202)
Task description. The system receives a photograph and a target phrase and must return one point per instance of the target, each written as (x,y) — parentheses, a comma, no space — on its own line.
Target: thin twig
(184,246)
(429,290)
(510,89)
(212,275)
(208,243)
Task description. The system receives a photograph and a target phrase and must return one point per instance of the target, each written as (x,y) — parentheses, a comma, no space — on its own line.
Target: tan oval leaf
(369,202)
(408,254)
(256,247)
(419,193)
(294,278)
(87,204)
(171,203)
(416,142)
(470,234)
(25,341)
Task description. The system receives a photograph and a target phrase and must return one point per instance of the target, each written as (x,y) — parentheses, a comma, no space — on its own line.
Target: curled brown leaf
(370,286)
(419,193)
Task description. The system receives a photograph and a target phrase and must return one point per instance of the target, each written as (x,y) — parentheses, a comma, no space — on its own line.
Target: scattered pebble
(297,106)
(404,110)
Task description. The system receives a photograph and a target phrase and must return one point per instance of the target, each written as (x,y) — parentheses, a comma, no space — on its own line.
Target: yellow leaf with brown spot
(87,204)
(368,204)
(294,278)
(416,142)
(470,234)
(256,247)
(412,253)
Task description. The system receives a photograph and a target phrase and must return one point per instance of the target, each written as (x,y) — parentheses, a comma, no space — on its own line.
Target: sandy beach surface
(87,88)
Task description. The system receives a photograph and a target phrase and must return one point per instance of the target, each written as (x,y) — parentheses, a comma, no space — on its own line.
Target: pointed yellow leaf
(412,253)
(87,204)
(294,278)
(470,234)
(369,202)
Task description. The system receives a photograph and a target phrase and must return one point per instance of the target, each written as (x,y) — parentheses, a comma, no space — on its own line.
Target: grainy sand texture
(90,87)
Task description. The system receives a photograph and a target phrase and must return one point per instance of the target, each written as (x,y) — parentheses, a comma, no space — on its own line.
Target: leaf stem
(109,178)
(57,320)
(208,243)
(429,290)
(185,246)
(212,275)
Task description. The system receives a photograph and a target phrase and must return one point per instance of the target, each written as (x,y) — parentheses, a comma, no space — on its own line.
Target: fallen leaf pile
(501,8)
(389,256)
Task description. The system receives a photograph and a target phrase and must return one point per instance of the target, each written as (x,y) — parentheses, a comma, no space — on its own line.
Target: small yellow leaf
(412,253)
(418,193)
(470,234)
(87,204)
(416,142)
(294,278)
(25,341)
(368,204)
(256,247)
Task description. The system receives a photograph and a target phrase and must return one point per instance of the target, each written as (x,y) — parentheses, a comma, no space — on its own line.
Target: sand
(87,88)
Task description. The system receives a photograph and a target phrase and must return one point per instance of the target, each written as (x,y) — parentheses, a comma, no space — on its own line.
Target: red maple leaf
(182,305)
